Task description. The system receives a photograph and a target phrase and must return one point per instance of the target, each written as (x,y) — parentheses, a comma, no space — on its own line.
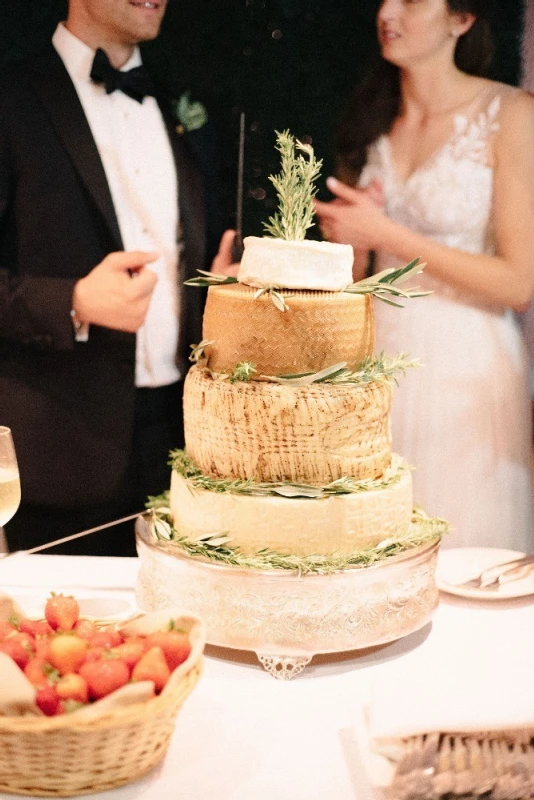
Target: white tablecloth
(242,735)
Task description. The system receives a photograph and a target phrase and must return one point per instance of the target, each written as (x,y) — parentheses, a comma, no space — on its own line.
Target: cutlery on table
(498,574)
(436,766)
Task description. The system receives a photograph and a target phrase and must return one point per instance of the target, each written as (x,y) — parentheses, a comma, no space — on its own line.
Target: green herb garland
(373,369)
(184,466)
(383,285)
(216,547)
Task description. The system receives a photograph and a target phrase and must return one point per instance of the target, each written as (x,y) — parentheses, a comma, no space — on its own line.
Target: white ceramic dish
(96,604)
(457,565)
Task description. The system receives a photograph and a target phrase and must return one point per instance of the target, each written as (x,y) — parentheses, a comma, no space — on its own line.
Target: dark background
(286,63)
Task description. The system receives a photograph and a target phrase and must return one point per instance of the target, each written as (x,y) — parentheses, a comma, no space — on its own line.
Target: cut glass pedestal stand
(285,618)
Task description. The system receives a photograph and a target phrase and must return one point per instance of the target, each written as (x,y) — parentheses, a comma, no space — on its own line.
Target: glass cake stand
(286,618)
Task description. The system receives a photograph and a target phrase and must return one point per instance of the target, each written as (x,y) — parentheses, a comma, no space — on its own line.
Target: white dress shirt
(136,154)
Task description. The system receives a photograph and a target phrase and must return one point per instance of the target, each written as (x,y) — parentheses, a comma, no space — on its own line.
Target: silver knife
(73,536)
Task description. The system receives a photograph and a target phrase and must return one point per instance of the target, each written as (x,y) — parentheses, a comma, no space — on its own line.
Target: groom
(102,217)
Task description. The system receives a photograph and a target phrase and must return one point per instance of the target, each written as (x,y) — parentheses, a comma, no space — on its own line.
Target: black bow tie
(134,82)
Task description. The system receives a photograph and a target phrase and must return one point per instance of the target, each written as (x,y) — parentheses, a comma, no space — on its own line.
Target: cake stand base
(287,618)
(284,668)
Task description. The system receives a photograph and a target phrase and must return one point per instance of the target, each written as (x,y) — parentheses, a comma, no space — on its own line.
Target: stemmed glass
(9,477)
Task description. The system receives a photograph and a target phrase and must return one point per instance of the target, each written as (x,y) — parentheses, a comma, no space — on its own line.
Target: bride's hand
(355,217)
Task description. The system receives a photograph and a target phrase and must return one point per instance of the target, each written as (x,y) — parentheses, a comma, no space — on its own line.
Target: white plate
(96,604)
(463,563)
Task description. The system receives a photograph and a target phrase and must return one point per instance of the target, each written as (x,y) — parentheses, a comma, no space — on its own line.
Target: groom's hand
(223,263)
(116,293)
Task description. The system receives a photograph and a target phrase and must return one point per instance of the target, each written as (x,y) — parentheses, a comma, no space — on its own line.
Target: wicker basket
(82,753)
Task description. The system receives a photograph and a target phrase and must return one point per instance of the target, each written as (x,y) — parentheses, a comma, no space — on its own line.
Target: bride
(438,162)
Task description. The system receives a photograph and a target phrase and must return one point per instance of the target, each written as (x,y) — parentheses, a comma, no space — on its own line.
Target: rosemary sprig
(387,283)
(295,189)
(217,547)
(184,466)
(378,368)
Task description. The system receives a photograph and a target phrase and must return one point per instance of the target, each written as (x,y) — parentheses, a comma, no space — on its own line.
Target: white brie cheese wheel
(296,265)
(294,526)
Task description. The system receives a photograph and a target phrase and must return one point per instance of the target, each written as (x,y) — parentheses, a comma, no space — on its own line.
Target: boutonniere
(191,115)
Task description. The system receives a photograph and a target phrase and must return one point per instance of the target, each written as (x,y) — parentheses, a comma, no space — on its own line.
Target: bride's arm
(506,279)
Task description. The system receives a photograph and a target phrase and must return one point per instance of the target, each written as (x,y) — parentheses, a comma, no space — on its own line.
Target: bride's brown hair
(375,102)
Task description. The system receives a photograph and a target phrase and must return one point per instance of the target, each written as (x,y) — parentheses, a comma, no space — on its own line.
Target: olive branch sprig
(384,285)
(376,368)
(388,282)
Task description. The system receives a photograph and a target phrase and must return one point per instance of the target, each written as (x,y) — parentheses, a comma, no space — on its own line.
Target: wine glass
(9,477)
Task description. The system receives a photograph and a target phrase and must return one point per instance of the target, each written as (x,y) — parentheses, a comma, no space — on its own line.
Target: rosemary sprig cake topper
(295,188)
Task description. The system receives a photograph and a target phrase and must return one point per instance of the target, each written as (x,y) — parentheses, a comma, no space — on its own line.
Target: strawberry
(47,699)
(130,651)
(67,652)
(73,687)
(24,639)
(42,648)
(61,611)
(35,672)
(106,639)
(175,645)
(85,628)
(35,627)
(104,676)
(152,667)
(6,628)
(18,653)
(94,653)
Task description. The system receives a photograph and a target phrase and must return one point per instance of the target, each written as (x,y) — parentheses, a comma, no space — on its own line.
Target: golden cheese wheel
(318,330)
(310,434)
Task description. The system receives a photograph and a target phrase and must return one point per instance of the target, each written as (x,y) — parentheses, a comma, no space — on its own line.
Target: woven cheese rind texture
(318,330)
(296,526)
(269,432)
(296,265)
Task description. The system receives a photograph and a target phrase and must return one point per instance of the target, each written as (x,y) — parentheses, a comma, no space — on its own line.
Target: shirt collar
(78,56)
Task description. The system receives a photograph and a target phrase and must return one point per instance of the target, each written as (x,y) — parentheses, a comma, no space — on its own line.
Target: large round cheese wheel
(318,330)
(296,526)
(270,432)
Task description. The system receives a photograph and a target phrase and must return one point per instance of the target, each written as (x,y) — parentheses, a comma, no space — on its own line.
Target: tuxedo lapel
(56,90)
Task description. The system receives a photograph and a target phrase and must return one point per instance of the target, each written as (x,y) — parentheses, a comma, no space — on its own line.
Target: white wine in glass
(9,477)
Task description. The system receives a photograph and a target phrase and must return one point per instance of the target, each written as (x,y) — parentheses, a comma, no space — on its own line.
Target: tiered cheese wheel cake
(289,436)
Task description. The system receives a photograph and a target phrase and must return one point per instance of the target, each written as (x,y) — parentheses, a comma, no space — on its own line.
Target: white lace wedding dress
(463,418)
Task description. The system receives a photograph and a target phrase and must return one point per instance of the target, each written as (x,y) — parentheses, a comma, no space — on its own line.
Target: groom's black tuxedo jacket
(69,404)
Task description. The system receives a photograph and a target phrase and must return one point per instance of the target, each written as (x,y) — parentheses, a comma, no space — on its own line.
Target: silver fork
(493,577)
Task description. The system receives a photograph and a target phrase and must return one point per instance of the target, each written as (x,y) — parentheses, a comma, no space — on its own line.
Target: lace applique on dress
(472,137)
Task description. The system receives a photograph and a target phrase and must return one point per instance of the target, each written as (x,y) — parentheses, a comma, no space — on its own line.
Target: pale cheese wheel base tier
(296,526)
(318,330)
(268,432)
